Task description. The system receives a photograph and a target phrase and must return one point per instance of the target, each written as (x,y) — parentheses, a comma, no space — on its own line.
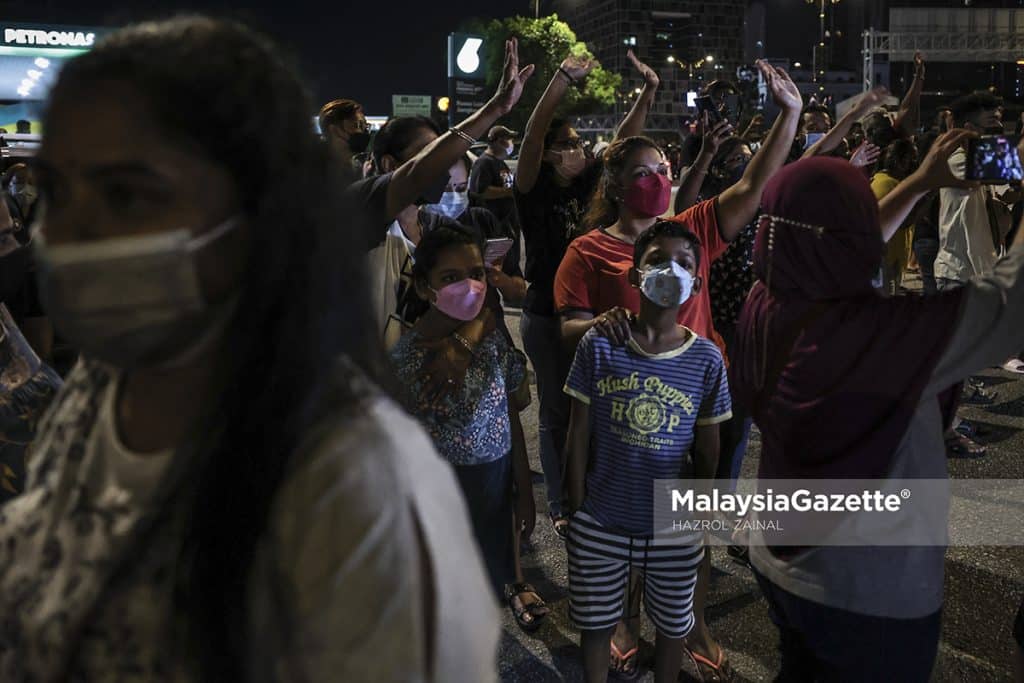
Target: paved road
(984,585)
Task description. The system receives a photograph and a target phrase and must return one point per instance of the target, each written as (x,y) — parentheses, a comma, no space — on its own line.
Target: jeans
(735,432)
(821,643)
(542,339)
(926,250)
(487,489)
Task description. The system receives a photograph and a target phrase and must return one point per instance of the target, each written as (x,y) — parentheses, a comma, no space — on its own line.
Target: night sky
(366,50)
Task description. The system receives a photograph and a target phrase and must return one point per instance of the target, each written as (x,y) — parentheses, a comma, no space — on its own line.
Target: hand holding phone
(994,160)
(496,249)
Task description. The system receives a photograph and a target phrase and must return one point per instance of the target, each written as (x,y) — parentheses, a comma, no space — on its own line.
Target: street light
(671,59)
(709,58)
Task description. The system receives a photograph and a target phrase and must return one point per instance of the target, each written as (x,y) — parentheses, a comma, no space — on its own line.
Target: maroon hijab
(831,371)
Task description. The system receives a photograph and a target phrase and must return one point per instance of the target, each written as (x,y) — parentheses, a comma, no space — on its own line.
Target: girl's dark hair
(227,93)
(428,251)
(603,209)
(397,134)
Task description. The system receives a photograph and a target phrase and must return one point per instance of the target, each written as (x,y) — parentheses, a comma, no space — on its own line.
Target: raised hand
(578,66)
(651,79)
(934,171)
(784,92)
(865,155)
(918,65)
(510,89)
(713,136)
(871,99)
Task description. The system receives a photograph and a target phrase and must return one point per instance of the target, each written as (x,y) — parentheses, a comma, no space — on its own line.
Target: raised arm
(531,152)
(932,174)
(738,205)
(692,181)
(416,175)
(831,140)
(636,119)
(908,118)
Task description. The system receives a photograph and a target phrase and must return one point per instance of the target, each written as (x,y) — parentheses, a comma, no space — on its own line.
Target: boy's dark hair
(660,229)
(397,134)
(444,236)
(969,105)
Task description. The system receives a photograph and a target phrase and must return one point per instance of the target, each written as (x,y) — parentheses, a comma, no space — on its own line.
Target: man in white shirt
(967,246)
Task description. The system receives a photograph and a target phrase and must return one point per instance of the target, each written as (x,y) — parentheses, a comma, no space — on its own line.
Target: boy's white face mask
(667,285)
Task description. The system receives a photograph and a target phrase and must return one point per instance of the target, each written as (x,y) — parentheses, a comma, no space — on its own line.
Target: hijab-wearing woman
(843,384)
(220,492)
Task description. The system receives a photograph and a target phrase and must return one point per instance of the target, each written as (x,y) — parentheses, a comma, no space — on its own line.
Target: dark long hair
(227,92)
(603,210)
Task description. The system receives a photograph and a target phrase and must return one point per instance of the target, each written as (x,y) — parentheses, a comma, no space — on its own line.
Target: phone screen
(495,251)
(705,104)
(994,159)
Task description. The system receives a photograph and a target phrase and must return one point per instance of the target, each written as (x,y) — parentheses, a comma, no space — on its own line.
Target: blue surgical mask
(452,205)
(666,285)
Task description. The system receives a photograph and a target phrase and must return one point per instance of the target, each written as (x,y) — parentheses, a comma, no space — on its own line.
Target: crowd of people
(261,404)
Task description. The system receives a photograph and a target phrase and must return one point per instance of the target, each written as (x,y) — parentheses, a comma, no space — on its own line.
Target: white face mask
(667,285)
(126,300)
(452,204)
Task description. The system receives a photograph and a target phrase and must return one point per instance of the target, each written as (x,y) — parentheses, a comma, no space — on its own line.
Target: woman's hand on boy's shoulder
(614,325)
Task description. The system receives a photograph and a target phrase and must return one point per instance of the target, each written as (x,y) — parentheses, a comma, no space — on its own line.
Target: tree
(544,42)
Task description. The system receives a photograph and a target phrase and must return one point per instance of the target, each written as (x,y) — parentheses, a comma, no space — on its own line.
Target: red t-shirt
(594,275)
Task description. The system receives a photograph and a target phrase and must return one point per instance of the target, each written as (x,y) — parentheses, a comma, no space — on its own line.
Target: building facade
(688,42)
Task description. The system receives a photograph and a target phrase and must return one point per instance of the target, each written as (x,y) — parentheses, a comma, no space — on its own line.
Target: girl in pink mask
(475,424)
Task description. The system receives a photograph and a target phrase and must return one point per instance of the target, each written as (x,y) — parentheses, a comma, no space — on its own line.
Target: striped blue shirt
(643,411)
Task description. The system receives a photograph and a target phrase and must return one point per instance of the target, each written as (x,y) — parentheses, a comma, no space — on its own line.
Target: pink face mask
(461,300)
(648,197)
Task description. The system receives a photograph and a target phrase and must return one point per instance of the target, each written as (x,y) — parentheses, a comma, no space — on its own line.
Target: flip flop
(959,446)
(708,671)
(624,660)
(528,616)
(561,526)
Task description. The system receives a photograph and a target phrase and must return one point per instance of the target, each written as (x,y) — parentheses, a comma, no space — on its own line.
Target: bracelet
(462,134)
(565,73)
(462,340)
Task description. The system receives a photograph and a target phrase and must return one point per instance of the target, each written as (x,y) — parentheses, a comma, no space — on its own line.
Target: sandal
(561,525)
(530,615)
(624,666)
(959,446)
(708,671)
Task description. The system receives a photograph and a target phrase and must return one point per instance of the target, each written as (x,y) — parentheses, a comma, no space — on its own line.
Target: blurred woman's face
(129,177)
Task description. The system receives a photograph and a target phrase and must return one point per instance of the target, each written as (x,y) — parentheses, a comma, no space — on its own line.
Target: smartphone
(705,104)
(495,250)
(994,159)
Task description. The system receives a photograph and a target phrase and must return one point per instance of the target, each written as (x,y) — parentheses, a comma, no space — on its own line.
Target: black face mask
(358,142)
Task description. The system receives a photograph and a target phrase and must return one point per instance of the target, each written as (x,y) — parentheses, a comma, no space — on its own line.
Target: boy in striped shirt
(637,410)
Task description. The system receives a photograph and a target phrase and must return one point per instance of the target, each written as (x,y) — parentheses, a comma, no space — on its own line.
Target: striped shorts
(599,566)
